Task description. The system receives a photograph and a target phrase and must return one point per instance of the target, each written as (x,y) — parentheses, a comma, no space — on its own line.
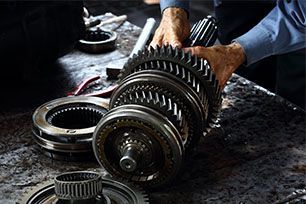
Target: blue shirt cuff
(257,44)
(184,4)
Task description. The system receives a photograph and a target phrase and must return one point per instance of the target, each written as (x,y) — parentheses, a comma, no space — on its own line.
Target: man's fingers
(176,43)
(188,49)
(166,42)
(157,40)
(199,51)
(155,43)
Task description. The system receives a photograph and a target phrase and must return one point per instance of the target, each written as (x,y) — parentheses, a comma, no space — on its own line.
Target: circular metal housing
(98,41)
(113,192)
(132,137)
(63,127)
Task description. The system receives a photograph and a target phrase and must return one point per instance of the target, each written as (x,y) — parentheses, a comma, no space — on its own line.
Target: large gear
(194,71)
(165,101)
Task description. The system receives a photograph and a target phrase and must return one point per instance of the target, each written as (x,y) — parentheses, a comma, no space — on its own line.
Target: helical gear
(165,101)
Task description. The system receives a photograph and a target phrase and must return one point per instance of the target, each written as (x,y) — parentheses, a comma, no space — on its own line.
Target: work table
(255,155)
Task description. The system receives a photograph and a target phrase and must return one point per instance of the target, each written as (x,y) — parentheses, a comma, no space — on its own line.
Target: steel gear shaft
(165,101)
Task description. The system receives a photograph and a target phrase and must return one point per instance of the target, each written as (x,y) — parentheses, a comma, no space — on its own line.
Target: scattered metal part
(115,19)
(98,41)
(63,128)
(110,191)
(113,69)
(97,22)
(298,196)
(165,101)
(144,36)
(104,93)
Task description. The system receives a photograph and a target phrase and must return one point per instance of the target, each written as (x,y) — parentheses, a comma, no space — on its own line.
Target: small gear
(142,147)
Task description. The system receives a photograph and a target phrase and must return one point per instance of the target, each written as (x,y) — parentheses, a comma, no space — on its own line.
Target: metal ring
(78,185)
(113,191)
(66,125)
(98,41)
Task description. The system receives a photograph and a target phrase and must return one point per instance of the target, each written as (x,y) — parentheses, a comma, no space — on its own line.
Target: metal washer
(98,41)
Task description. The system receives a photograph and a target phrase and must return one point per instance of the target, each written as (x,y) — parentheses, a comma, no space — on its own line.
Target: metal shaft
(144,36)
(130,158)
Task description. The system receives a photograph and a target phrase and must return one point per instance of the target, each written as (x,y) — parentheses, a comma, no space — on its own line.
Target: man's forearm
(281,31)
(184,4)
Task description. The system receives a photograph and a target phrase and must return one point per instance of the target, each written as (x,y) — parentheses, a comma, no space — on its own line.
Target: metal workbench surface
(257,155)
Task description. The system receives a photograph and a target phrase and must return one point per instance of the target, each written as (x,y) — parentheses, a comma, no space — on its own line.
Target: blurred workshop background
(139,10)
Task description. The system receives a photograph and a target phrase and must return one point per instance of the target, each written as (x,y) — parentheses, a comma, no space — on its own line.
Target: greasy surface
(258,156)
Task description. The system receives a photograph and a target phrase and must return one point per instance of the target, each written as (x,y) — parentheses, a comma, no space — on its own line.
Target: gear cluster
(166,100)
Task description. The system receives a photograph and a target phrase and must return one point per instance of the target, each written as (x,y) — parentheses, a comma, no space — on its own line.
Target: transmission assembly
(166,100)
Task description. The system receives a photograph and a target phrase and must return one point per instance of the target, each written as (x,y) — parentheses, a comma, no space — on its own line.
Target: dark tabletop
(257,155)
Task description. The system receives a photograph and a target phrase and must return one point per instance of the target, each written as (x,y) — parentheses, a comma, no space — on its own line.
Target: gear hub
(166,100)
(84,187)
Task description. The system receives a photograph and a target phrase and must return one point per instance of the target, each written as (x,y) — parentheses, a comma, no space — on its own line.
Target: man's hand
(174,28)
(223,59)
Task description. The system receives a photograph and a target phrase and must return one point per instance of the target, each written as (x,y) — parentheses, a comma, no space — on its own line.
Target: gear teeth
(159,102)
(169,51)
(176,52)
(156,51)
(38,191)
(163,50)
(189,58)
(177,62)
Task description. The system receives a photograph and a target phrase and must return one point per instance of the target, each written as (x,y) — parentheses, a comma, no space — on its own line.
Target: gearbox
(166,100)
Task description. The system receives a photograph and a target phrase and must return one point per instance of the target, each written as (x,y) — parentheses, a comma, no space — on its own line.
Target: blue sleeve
(184,4)
(281,31)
